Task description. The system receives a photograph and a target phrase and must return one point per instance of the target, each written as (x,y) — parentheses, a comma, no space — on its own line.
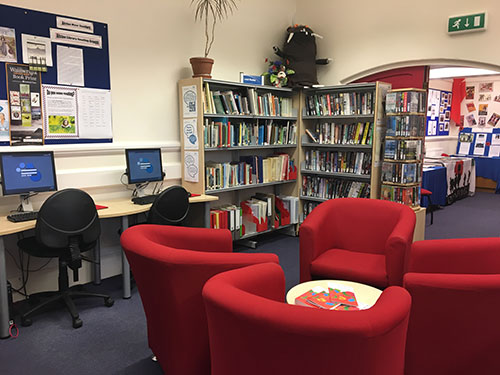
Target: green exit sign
(470,22)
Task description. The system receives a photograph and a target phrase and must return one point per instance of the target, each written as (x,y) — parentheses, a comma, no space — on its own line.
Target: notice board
(54,79)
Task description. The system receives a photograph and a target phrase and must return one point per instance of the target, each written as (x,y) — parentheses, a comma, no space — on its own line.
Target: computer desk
(123,208)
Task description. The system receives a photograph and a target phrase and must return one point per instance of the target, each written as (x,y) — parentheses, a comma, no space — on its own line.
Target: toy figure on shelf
(277,73)
(299,53)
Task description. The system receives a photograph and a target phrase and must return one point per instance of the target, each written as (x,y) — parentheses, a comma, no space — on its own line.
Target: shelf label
(467,23)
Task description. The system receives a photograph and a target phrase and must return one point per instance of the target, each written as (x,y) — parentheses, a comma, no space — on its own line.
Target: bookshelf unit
(341,133)
(404,146)
(238,140)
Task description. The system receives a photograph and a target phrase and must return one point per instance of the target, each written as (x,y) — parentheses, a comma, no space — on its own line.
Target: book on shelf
(408,195)
(338,161)
(225,133)
(358,133)
(405,126)
(403,173)
(405,101)
(227,217)
(402,149)
(339,103)
(329,188)
(245,101)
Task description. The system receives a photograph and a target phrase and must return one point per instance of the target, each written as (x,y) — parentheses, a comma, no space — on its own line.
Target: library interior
(277,160)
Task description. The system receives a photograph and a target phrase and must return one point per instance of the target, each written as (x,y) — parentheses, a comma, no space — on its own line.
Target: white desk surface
(365,294)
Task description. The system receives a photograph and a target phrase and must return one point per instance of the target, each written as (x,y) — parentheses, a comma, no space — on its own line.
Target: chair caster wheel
(77,323)
(26,322)
(108,302)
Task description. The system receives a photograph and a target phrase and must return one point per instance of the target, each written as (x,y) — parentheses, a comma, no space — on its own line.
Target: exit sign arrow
(467,23)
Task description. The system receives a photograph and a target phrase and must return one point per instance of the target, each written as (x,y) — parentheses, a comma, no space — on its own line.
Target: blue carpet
(114,340)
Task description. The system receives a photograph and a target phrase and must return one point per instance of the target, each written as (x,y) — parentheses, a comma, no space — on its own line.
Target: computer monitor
(26,172)
(144,165)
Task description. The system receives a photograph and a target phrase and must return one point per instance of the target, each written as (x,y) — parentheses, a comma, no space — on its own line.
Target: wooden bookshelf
(233,122)
(346,106)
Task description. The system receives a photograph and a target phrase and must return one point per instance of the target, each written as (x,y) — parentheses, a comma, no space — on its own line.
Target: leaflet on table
(81,113)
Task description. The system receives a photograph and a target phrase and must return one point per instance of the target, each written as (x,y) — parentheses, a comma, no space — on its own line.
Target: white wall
(150,46)
(365,34)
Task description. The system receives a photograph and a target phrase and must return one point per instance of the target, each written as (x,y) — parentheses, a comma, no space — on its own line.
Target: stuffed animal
(299,54)
(277,73)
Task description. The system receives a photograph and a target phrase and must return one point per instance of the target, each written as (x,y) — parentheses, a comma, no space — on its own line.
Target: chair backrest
(455,289)
(359,224)
(170,207)
(170,266)
(68,214)
(252,331)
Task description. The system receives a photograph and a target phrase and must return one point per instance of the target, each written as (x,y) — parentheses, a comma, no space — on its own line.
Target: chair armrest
(397,247)
(315,237)
(199,239)
(456,256)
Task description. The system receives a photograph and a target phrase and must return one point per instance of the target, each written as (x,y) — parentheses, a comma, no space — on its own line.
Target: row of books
(249,170)
(257,214)
(330,133)
(338,161)
(340,103)
(245,101)
(307,208)
(403,173)
(400,149)
(405,101)
(228,217)
(409,195)
(227,134)
(328,188)
(332,297)
(405,126)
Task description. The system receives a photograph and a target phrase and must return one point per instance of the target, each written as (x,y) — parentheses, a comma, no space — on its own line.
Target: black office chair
(170,207)
(67,225)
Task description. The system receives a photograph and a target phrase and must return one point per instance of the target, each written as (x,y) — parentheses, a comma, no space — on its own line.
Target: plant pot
(202,66)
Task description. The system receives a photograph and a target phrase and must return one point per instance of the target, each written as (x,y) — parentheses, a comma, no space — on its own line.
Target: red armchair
(170,266)
(252,331)
(356,239)
(455,290)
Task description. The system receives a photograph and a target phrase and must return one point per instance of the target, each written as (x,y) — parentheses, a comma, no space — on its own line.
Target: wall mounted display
(438,112)
(55,93)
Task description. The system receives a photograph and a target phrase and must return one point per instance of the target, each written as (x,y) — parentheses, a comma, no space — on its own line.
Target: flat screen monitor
(144,165)
(26,172)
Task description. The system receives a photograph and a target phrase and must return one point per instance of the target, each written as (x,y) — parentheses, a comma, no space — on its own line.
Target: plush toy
(299,54)
(277,73)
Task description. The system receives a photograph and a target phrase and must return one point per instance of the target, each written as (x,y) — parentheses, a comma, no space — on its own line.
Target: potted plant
(209,12)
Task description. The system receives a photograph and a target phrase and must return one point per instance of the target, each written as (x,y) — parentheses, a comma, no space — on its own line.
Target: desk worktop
(116,208)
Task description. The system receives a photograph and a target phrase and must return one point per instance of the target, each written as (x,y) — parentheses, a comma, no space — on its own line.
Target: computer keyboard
(147,199)
(17,217)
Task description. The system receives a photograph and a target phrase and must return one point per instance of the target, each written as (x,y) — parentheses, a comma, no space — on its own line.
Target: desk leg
(4,302)
(97,265)
(206,214)
(125,265)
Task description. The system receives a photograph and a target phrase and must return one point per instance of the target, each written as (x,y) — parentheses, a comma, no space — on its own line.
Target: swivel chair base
(64,294)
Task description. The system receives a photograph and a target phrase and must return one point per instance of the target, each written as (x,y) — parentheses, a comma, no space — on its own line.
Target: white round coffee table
(365,295)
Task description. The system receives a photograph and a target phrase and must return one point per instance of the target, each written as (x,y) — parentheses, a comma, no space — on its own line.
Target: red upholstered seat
(425,192)
(253,332)
(357,239)
(349,265)
(455,290)
(170,266)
